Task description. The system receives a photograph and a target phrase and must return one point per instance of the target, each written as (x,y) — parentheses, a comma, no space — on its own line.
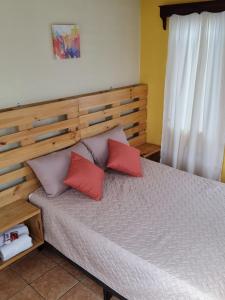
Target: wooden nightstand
(150,151)
(18,212)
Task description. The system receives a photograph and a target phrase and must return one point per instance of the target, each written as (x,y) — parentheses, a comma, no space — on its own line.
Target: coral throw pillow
(124,158)
(85,177)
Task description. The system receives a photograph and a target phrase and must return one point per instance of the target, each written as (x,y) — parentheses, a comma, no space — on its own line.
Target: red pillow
(124,158)
(85,177)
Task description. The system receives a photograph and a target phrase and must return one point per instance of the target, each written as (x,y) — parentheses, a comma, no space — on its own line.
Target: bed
(160,237)
(157,237)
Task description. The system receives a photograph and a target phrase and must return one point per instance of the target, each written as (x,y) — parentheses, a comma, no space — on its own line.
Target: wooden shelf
(148,149)
(18,212)
(15,213)
(6,263)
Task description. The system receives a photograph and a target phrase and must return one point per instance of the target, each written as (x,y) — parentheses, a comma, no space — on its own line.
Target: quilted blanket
(160,237)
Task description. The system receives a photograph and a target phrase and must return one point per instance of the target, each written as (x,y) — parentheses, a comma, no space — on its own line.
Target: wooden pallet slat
(106,125)
(140,128)
(22,116)
(35,132)
(106,98)
(136,141)
(14,175)
(25,153)
(112,111)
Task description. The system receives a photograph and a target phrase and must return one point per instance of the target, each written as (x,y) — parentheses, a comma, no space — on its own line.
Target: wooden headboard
(38,129)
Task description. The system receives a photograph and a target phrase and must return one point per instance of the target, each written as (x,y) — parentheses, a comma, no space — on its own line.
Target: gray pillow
(52,169)
(98,144)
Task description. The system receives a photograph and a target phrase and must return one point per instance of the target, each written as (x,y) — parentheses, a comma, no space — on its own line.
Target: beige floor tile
(80,292)
(10,284)
(27,294)
(53,254)
(96,288)
(54,284)
(32,267)
(73,270)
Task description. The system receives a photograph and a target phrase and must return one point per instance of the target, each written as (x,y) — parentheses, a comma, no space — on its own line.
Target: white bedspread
(161,237)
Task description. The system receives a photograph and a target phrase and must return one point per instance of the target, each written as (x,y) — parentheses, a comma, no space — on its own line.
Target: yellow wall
(153,64)
(223,171)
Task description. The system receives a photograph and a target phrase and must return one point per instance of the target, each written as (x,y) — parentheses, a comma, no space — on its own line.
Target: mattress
(159,237)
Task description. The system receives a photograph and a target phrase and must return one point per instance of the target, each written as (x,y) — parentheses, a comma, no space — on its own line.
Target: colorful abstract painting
(66,41)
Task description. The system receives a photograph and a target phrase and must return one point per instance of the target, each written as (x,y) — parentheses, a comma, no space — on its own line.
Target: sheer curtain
(194,104)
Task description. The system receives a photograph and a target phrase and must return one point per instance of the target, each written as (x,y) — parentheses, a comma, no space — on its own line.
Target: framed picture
(66,41)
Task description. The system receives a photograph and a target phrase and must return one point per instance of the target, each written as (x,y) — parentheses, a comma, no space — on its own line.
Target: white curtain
(194,104)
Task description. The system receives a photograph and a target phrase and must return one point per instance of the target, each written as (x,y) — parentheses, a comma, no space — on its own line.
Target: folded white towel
(15,247)
(18,229)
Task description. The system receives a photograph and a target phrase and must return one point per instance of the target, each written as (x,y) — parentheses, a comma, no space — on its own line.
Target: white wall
(110,48)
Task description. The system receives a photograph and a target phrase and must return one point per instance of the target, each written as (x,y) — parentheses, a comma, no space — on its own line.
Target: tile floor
(47,275)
